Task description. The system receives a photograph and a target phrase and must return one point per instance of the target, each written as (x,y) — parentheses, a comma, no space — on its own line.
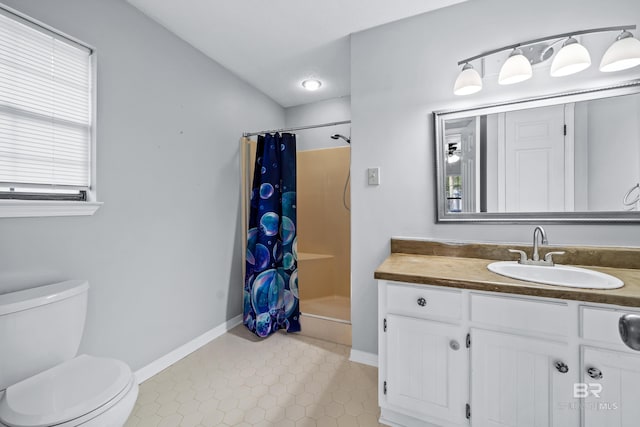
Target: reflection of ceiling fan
(453,152)
(630,204)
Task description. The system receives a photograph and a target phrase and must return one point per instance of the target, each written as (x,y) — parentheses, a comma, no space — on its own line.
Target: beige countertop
(472,273)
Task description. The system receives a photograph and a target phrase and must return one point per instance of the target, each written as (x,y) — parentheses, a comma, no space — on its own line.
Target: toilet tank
(40,328)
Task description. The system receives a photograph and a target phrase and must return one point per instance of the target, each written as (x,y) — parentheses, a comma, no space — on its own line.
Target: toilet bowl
(42,381)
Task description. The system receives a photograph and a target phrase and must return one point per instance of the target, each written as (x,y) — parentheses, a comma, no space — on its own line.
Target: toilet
(43,382)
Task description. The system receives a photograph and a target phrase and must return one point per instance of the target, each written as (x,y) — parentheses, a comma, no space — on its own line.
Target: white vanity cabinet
(520,381)
(426,372)
(523,368)
(456,357)
(424,361)
(613,397)
(609,370)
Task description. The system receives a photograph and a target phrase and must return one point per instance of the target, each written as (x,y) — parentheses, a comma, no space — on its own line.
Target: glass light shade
(311,84)
(516,69)
(468,81)
(571,59)
(624,53)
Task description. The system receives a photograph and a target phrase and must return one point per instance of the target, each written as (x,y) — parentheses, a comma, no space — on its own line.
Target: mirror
(569,157)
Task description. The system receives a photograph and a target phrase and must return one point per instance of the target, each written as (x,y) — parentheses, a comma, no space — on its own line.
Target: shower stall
(323,227)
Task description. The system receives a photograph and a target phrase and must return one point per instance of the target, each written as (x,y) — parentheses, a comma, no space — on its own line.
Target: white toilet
(42,381)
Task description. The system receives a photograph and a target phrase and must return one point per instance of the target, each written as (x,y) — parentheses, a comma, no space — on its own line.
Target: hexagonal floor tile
(284,380)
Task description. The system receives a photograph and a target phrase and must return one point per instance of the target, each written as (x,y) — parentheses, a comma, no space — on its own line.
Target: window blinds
(45,107)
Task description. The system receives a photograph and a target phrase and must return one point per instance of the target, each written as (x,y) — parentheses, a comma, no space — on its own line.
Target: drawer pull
(422,302)
(561,367)
(629,327)
(455,345)
(594,373)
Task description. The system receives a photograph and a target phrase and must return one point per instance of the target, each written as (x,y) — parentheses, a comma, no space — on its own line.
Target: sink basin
(561,275)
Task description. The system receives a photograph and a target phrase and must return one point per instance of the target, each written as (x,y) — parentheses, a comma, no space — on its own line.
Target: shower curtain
(271,281)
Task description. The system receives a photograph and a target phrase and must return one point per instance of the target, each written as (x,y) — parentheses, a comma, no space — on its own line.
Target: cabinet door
(427,368)
(614,399)
(515,382)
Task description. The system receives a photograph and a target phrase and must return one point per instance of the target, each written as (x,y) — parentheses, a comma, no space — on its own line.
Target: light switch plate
(373,175)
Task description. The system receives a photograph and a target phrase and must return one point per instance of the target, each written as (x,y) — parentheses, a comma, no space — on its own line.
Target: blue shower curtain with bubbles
(271,282)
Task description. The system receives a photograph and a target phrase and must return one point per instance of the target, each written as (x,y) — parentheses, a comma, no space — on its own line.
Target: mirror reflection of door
(535,160)
(461,165)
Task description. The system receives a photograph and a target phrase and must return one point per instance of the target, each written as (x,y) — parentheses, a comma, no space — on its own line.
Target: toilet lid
(64,392)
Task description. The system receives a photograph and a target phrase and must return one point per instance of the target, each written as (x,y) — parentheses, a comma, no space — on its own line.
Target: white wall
(331,110)
(400,74)
(163,253)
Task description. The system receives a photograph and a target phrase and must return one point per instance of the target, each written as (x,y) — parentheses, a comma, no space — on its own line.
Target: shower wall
(324,232)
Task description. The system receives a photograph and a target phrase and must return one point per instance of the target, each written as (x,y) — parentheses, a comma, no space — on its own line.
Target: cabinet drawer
(424,302)
(521,314)
(601,324)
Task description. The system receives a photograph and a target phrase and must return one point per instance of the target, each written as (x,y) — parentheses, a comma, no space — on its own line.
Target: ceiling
(276,44)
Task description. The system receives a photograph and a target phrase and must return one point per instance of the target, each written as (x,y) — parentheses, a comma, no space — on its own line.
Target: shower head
(338,136)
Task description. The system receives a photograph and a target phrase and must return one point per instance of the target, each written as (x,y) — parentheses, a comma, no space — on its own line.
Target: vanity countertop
(464,272)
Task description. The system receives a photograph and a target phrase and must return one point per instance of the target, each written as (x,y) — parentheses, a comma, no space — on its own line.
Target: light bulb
(452,158)
(311,84)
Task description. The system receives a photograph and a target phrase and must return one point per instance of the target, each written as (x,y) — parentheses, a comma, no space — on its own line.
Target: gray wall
(403,71)
(614,151)
(163,253)
(330,110)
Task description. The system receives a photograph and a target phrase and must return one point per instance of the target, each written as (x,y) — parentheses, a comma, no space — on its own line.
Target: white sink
(562,275)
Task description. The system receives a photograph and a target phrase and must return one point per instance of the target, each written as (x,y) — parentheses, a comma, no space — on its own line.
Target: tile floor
(240,380)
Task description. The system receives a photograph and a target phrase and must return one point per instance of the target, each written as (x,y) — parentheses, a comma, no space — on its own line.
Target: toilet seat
(68,394)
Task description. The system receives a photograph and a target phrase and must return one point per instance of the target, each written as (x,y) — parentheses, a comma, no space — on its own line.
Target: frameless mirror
(570,157)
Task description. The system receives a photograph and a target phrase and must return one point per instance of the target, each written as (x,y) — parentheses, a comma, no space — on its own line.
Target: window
(46,113)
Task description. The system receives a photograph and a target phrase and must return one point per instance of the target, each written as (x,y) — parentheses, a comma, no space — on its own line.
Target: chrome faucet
(538,235)
(538,230)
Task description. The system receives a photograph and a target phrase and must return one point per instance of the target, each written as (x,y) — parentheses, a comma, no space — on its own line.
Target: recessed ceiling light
(311,84)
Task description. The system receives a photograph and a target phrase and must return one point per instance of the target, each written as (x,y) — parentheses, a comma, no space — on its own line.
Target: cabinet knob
(455,345)
(594,373)
(561,367)
(422,302)
(629,327)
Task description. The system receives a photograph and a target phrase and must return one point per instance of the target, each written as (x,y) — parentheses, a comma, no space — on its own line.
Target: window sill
(10,208)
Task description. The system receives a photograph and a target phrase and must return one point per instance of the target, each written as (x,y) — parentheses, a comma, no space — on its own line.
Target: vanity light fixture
(468,81)
(311,84)
(516,69)
(624,53)
(572,58)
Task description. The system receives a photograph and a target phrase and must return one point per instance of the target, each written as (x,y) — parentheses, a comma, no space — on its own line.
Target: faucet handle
(523,255)
(548,256)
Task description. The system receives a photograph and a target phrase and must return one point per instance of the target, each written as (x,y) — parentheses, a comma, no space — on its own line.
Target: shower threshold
(327,318)
(332,319)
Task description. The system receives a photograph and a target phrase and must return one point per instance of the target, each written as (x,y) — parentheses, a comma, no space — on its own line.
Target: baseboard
(169,359)
(364,358)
